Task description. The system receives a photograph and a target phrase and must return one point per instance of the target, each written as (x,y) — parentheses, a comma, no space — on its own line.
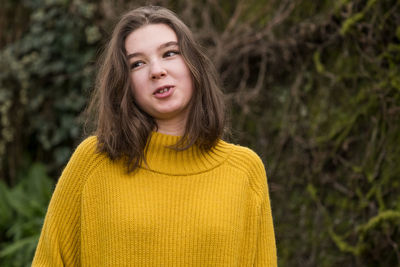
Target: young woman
(155,185)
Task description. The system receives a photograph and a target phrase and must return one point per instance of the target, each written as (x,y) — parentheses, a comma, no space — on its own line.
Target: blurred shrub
(44,82)
(22,210)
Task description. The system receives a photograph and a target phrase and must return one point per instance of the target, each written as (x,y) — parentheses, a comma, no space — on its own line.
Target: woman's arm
(266,247)
(59,243)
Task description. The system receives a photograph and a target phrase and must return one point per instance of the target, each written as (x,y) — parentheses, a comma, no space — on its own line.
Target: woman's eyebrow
(172,43)
(167,44)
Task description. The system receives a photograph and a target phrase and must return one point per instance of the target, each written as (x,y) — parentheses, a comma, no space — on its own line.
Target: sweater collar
(162,159)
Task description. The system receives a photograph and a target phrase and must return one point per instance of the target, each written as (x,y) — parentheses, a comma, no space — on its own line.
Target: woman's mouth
(163,92)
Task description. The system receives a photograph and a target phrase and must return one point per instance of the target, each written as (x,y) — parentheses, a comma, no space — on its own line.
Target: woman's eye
(171,53)
(136,64)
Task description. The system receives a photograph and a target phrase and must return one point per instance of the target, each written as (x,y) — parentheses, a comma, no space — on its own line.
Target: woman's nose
(157,71)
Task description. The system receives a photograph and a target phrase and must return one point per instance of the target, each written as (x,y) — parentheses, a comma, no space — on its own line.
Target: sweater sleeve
(265,247)
(59,242)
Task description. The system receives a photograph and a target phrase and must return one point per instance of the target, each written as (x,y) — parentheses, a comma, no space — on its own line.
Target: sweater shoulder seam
(253,167)
(88,149)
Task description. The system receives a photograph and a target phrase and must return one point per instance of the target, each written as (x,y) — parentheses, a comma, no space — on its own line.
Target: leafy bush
(22,209)
(44,83)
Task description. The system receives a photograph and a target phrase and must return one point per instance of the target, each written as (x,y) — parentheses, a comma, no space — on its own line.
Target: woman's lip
(164,94)
(162,87)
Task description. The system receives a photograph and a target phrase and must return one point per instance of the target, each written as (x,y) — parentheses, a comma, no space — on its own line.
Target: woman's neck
(172,127)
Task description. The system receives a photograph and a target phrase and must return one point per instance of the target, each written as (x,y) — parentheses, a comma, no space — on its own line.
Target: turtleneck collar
(162,159)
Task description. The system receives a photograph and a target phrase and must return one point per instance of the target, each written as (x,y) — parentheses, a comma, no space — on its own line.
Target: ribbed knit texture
(184,208)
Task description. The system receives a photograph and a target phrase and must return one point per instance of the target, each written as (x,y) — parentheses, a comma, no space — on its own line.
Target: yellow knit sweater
(187,208)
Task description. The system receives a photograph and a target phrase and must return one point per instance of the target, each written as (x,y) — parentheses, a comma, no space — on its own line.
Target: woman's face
(161,80)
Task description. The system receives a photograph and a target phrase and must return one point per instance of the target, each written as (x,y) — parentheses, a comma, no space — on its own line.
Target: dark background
(313,88)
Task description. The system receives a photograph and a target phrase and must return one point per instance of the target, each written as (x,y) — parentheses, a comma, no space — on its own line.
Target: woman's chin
(170,114)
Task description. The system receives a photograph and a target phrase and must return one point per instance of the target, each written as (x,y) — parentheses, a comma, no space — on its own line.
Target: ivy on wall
(44,83)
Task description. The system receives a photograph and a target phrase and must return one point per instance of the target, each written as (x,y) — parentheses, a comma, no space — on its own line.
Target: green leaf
(12,248)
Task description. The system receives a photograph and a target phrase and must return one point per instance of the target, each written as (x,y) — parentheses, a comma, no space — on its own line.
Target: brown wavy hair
(121,126)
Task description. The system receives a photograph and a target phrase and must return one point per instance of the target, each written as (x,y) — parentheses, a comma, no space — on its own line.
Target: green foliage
(23,208)
(338,142)
(45,79)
